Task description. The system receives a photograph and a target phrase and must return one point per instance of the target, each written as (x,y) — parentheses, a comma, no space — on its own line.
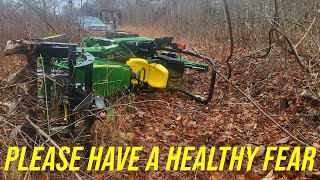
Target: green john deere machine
(72,82)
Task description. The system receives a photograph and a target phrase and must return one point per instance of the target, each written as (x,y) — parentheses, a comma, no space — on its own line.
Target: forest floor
(171,119)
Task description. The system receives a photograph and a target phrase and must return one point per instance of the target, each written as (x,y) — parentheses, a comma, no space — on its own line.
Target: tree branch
(292,47)
(40,132)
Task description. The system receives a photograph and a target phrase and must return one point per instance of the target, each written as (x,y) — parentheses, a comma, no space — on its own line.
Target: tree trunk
(276,19)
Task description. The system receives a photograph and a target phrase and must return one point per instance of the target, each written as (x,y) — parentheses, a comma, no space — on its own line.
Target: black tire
(120,34)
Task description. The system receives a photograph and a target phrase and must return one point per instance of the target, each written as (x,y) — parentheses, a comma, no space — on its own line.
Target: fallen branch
(39,131)
(263,112)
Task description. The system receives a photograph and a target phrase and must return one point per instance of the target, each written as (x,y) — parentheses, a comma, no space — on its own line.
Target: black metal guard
(87,66)
(34,48)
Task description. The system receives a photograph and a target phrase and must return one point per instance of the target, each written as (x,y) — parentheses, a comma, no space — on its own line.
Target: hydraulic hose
(210,62)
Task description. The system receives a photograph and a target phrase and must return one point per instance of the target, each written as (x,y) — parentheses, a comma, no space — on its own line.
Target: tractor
(68,83)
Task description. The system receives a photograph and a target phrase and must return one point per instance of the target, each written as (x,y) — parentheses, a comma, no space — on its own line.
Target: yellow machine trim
(154,74)
(51,37)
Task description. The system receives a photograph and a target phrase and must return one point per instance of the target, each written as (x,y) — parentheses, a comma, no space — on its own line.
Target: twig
(195,174)
(46,94)
(307,32)
(39,131)
(40,15)
(295,53)
(293,49)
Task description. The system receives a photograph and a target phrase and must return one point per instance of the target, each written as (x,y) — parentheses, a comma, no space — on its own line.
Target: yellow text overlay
(225,158)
